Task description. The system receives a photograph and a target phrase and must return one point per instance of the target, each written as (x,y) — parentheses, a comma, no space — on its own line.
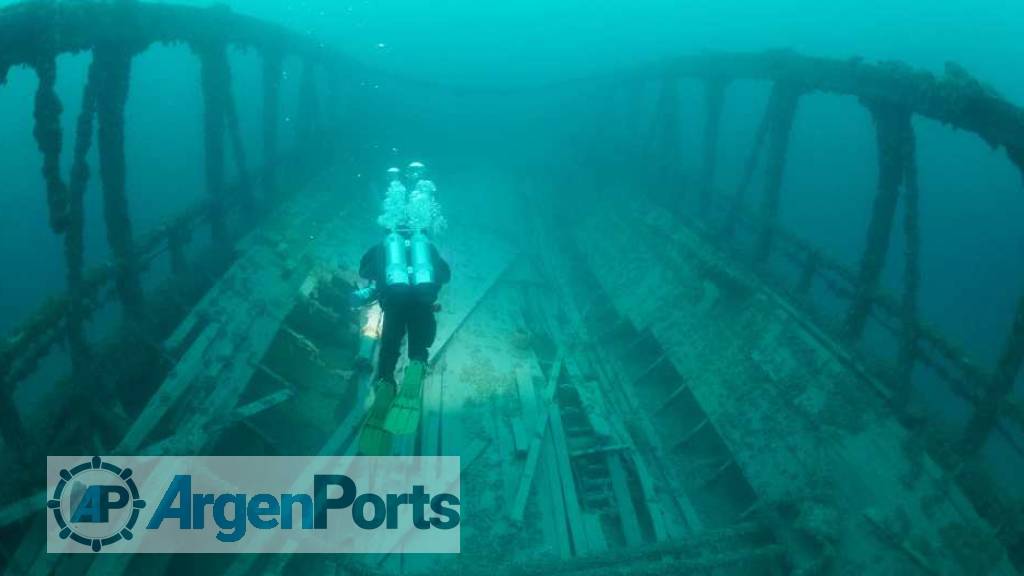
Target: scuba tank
(421,263)
(396,262)
(408,261)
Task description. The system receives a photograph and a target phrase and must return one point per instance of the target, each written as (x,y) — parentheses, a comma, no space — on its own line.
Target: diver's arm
(369,269)
(370,265)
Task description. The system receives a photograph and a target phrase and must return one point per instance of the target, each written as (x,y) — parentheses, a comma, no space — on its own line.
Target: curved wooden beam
(44,27)
(955,98)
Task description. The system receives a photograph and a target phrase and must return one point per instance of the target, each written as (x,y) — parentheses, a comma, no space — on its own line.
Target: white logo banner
(253,504)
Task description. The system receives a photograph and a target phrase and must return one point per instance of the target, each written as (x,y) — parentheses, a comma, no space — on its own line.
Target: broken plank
(552,492)
(504,451)
(170,391)
(573,514)
(340,442)
(527,397)
(624,501)
(654,509)
(520,441)
(523,493)
(173,444)
(549,489)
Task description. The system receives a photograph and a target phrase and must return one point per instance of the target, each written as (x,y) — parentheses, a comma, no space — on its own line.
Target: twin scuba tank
(407,260)
(407,263)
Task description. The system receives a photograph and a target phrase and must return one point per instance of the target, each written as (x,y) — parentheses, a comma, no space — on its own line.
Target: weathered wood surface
(31,28)
(232,328)
(478,260)
(538,432)
(800,422)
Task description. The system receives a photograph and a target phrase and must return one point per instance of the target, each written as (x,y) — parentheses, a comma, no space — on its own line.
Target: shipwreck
(699,416)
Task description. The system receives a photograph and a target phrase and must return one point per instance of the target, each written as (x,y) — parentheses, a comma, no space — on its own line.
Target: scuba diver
(406,273)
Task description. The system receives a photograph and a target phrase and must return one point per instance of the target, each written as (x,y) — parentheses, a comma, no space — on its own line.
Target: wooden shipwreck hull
(629,391)
(811,433)
(625,398)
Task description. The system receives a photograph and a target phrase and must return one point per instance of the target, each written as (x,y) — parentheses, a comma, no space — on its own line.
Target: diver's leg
(422,332)
(404,417)
(391,342)
(374,438)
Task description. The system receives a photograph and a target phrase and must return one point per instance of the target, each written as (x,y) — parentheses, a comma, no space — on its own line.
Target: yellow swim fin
(404,416)
(374,440)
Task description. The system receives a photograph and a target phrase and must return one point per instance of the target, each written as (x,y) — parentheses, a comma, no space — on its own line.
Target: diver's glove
(363,296)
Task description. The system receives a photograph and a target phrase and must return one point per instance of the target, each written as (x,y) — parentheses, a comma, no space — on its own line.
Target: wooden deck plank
(536,443)
(527,397)
(433,411)
(659,523)
(624,501)
(552,493)
(573,514)
(170,391)
(482,261)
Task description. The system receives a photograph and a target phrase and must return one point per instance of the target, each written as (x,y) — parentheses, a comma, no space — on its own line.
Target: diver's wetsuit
(406,308)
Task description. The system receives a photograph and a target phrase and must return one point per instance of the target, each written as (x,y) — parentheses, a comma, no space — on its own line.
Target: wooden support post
(334,99)
(633,134)
(49,138)
(75,230)
(238,151)
(272,62)
(113,77)
(782,110)
(893,131)
(748,170)
(308,113)
(986,414)
(667,147)
(215,72)
(714,98)
(911,270)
